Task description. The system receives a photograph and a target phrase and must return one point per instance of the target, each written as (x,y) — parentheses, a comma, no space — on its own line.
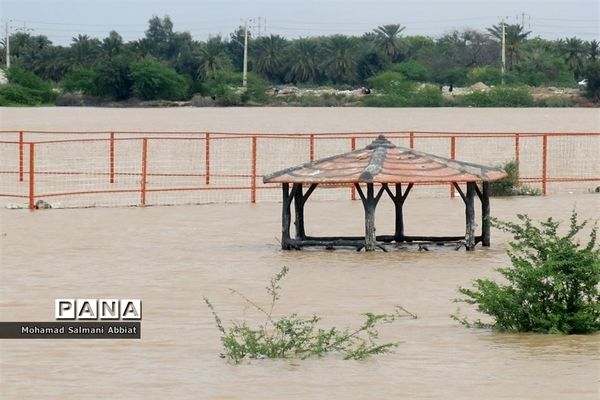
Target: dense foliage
(552,285)
(167,64)
(294,336)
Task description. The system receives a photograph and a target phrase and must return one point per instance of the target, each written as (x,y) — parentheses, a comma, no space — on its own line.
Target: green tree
(388,40)
(84,50)
(268,56)
(153,80)
(304,65)
(592,74)
(111,45)
(212,57)
(593,49)
(515,36)
(80,80)
(574,51)
(340,62)
(113,79)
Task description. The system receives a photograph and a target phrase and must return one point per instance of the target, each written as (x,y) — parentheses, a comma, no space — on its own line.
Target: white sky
(60,20)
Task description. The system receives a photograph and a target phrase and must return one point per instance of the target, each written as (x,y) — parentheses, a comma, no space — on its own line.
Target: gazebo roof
(383,162)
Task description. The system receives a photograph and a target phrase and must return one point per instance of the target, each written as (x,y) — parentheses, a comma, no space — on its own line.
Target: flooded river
(172,256)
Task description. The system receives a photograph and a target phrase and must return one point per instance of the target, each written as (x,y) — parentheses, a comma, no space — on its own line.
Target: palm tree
(593,49)
(112,45)
(304,61)
(388,40)
(340,62)
(84,49)
(212,57)
(268,55)
(574,51)
(515,36)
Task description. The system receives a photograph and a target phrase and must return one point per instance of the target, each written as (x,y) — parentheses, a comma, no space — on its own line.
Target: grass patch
(295,336)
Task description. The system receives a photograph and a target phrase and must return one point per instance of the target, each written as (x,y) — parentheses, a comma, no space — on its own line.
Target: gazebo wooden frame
(377,171)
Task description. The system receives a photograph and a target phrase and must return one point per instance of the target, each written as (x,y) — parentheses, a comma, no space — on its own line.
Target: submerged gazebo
(385,164)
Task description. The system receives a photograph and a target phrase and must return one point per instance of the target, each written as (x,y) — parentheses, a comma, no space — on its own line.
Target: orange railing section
(79,169)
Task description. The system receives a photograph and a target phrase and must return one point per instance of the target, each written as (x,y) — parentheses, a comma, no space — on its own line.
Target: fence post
(544,163)
(31,176)
(517,156)
(144,171)
(312,147)
(207,157)
(112,158)
(452,156)
(353,147)
(21,156)
(411,140)
(253,183)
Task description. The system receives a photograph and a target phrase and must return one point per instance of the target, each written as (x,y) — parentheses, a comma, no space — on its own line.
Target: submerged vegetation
(170,65)
(295,336)
(510,186)
(552,285)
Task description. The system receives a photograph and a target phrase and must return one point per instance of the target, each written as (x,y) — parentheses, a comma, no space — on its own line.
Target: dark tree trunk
(299,211)
(470,216)
(485,214)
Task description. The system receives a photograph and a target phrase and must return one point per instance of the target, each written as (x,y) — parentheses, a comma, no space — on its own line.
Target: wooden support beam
(399,220)
(360,192)
(299,211)
(369,205)
(309,192)
(485,214)
(459,190)
(286,217)
(470,216)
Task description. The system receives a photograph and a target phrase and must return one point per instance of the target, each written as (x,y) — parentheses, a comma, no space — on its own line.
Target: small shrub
(501,96)
(153,80)
(202,101)
(509,186)
(294,336)
(555,101)
(19,95)
(552,283)
(488,75)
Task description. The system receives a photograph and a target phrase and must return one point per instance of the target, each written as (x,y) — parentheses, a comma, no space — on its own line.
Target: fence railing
(82,169)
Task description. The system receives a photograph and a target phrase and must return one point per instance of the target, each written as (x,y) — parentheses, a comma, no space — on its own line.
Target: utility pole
(245,71)
(7,45)
(503,49)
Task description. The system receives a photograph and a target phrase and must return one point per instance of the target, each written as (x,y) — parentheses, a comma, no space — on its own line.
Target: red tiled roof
(383,162)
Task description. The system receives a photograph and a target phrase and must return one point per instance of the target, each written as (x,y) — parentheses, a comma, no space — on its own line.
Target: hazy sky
(60,20)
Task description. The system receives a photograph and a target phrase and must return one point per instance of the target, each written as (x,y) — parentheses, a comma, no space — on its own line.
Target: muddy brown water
(172,256)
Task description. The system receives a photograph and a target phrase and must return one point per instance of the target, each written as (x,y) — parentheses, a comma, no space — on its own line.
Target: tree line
(171,65)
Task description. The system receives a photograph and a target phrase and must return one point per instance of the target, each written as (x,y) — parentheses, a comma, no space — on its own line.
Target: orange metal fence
(82,169)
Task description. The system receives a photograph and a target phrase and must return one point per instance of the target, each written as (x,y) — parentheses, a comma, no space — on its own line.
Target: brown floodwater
(172,256)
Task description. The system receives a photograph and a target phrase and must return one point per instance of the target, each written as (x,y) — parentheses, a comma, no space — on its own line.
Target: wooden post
(353,147)
(517,156)
(21,156)
(299,212)
(144,172)
(544,164)
(470,216)
(31,176)
(398,204)
(369,205)
(111,158)
(207,158)
(411,140)
(253,183)
(485,214)
(286,217)
(312,147)
(452,156)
